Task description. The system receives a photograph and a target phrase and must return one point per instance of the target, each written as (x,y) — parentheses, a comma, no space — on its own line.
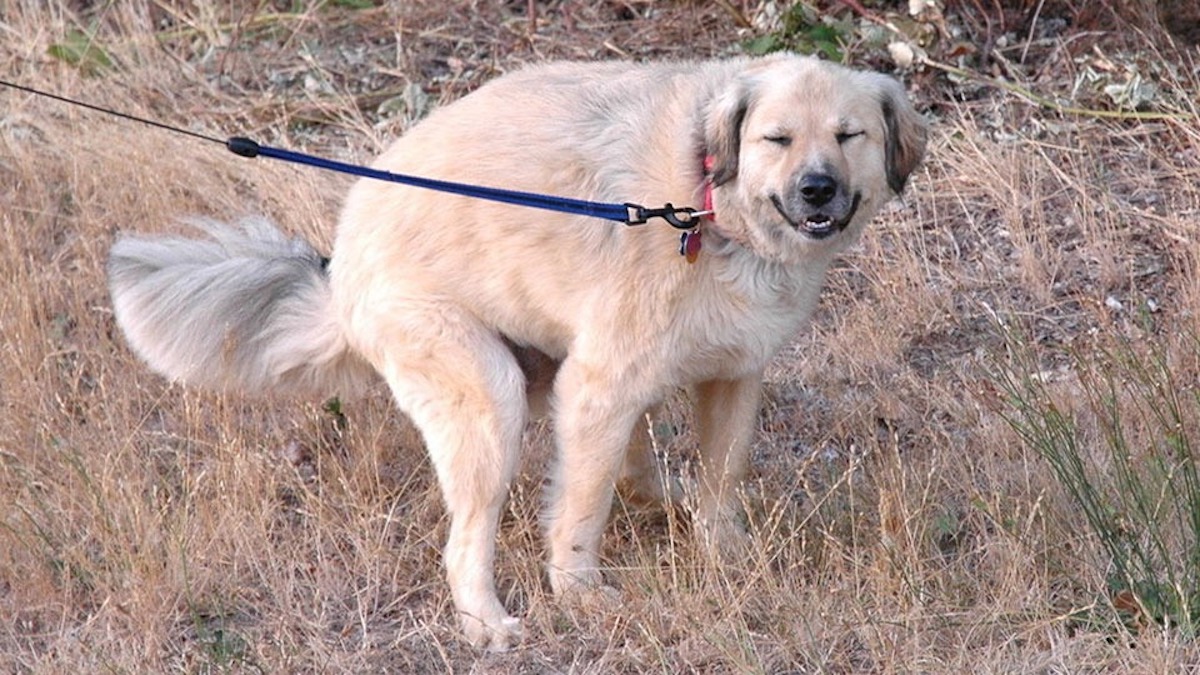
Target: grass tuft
(1135,479)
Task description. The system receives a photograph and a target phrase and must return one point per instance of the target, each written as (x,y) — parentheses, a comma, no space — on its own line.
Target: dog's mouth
(818,225)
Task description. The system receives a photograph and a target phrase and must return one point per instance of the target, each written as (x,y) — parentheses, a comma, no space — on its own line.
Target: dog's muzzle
(820,216)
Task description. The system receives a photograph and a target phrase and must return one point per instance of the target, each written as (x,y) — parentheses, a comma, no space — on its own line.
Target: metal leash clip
(681,218)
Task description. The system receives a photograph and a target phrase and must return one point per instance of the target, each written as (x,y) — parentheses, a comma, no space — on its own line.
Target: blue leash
(683,218)
(629,214)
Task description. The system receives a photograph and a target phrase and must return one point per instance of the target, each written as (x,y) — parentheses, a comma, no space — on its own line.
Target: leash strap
(630,214)
(683,218)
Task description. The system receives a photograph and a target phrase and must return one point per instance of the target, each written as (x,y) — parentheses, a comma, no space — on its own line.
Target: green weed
(1123,449)
(807,31)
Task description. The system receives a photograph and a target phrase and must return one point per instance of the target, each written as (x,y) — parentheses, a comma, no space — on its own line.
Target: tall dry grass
(900,524)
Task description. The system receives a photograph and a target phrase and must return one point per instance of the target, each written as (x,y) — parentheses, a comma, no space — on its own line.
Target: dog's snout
(818,188)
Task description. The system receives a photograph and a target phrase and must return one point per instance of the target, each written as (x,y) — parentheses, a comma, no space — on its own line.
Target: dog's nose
(818,188)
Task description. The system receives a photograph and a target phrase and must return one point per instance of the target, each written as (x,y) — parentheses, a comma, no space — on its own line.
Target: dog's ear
(905,132)
(723,130)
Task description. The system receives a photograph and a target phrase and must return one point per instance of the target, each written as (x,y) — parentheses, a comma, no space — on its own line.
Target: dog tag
(689,245)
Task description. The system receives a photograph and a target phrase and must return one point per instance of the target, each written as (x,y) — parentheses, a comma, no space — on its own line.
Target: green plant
(803,29)
(81,50)
(1123,449)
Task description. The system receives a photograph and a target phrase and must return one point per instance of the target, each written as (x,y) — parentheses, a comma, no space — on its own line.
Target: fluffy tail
(246,309)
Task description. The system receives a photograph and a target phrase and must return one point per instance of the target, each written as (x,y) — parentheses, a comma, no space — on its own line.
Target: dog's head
(805,152)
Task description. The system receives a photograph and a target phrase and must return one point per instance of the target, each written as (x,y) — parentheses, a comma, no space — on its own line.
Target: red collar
(689,241)
(709,162)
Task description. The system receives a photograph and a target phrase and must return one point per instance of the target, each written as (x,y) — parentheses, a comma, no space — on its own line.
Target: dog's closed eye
(844,136)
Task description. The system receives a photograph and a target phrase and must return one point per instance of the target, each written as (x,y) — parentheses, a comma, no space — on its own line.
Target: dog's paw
(566,582)
(653,488)
(497,635)
(590,599)
(724,539)
(603,597)
(582,587)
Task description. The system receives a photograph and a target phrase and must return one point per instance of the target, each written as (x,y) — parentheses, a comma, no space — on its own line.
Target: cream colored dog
(467,307)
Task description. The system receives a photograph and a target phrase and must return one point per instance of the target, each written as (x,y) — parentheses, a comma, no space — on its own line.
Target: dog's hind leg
(463,388)
(645,478)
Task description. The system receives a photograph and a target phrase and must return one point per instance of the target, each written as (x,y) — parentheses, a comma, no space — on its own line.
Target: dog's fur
(467,307)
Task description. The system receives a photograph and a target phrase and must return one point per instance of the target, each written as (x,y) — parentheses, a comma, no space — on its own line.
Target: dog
(474,311)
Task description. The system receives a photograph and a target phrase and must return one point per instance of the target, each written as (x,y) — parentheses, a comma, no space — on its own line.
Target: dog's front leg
(726,411)
(593,422)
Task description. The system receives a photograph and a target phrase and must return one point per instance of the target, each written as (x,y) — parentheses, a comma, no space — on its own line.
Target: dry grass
(901,525)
